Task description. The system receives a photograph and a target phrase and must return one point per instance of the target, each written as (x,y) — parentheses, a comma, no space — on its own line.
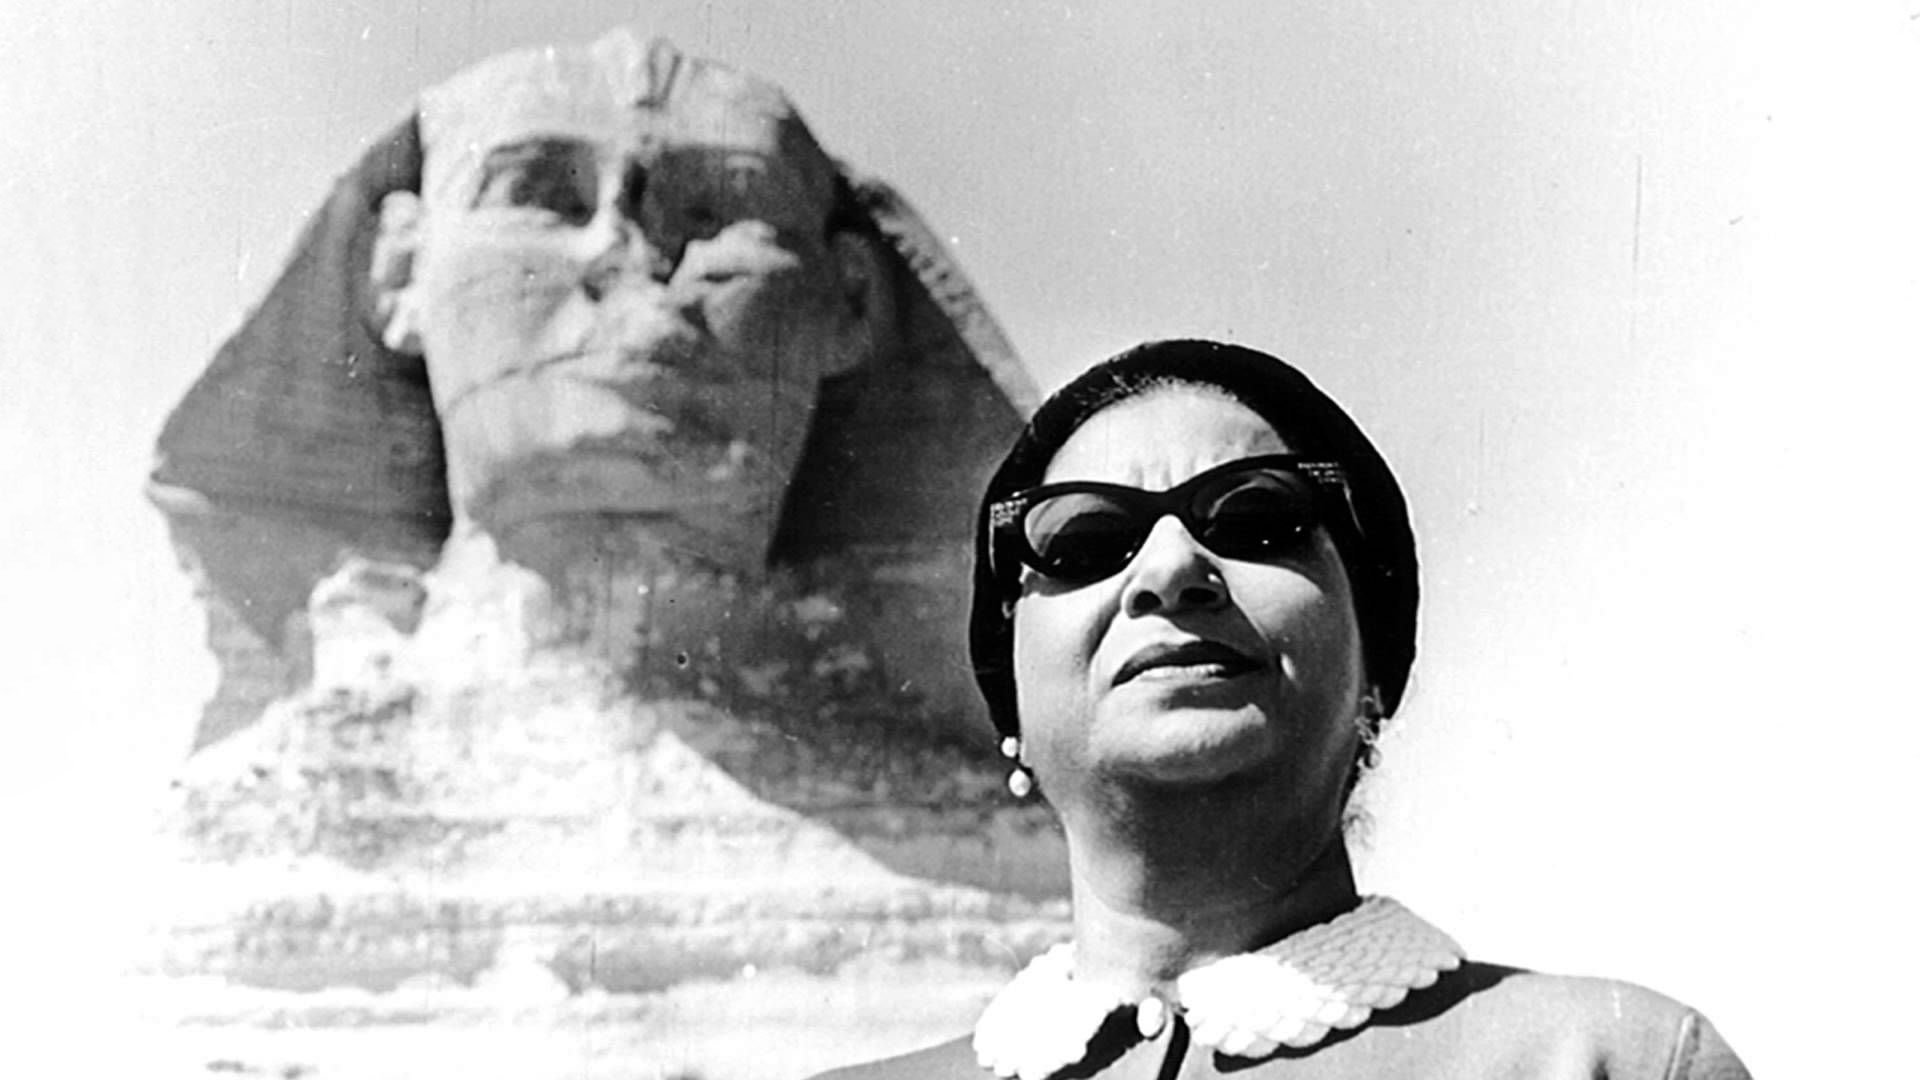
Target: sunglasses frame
(1006,517)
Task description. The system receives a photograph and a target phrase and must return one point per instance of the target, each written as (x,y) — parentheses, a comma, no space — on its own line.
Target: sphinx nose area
(623,255)
(1172,572)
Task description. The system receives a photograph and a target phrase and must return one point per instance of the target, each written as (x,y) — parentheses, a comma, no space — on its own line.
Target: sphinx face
(626,289)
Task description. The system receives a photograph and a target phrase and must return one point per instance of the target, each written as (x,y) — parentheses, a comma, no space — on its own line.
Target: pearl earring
(1368,726)
(1019,781)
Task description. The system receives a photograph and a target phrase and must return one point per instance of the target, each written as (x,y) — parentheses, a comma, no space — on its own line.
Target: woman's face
(1186,668)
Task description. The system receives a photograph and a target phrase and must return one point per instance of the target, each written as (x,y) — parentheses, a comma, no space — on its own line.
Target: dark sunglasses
(1082,531)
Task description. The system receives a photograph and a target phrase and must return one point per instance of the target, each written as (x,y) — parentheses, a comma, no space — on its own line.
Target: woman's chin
(1194,747)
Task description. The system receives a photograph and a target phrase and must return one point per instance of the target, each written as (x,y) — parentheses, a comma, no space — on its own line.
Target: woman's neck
(1170,880)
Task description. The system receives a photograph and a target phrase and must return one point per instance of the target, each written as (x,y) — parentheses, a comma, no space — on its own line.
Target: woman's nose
(1172,572)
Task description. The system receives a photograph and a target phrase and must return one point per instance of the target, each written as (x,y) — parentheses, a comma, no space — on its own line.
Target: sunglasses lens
(1256,515)
(1082,536)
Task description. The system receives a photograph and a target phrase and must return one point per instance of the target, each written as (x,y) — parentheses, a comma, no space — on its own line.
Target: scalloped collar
(1332,976)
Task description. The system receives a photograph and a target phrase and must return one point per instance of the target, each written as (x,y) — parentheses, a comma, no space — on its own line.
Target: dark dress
(1477,1021)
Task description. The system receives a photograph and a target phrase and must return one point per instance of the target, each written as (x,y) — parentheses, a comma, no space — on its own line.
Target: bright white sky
(1626,290)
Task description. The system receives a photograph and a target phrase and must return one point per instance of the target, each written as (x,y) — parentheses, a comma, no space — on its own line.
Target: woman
(1194,604)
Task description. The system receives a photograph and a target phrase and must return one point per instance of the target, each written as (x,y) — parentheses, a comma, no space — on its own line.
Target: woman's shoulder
(1621,1028)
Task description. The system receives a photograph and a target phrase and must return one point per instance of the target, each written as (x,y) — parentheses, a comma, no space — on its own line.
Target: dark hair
(1381,563)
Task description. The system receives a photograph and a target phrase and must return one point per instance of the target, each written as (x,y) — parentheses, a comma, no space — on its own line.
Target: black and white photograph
(730,540)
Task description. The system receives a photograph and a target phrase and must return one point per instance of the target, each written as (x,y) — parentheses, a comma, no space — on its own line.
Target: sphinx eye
(703,221)
(554,176)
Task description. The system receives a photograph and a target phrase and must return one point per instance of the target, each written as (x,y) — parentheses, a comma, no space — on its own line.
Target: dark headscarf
(1380,561)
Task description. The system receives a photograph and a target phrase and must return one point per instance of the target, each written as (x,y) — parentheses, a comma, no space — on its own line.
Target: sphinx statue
(582,521)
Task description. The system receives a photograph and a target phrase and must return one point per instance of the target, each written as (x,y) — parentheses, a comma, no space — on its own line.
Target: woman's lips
(1169,660)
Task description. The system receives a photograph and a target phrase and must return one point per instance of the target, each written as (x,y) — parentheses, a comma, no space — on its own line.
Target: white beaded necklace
(1327,977)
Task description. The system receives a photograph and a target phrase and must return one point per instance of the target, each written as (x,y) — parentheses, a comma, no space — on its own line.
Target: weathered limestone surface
(582,522)
(511,859)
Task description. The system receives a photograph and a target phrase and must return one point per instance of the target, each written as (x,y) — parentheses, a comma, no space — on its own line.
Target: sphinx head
(628,272)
